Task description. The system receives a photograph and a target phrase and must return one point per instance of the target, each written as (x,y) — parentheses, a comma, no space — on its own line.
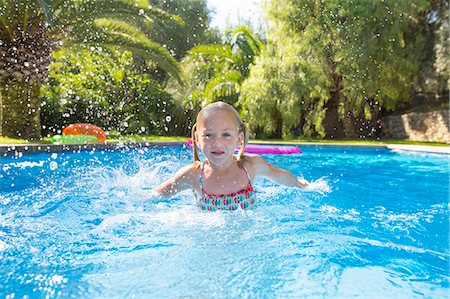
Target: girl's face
(218,136)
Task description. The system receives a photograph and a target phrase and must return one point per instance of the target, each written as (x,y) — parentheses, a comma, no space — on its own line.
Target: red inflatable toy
(85,129)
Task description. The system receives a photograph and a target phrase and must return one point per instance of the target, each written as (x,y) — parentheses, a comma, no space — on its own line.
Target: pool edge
(6,149)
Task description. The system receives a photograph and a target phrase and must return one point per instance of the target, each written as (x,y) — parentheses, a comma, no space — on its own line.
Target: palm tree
(31,30)
(224,66)
(214,72)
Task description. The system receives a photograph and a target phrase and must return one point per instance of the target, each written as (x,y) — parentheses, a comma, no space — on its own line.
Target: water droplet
(53,165)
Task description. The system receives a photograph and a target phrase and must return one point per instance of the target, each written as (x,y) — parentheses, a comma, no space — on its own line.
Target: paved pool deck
(420,148)
(7,149)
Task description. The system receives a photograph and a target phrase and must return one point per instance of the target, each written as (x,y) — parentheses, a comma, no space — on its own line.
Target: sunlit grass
(142,138)
(359,141)
(7,140)
(118,138)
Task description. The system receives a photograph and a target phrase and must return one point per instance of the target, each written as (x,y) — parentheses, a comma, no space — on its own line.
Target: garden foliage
(101,86)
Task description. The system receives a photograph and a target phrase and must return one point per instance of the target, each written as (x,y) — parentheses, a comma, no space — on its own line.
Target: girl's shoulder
(190,170)
(254,162)
(253,159)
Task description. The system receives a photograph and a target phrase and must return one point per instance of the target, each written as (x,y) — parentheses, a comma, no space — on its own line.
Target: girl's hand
(150,194)
(302,183)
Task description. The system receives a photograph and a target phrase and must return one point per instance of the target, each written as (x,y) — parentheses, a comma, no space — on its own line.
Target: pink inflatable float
(267,149)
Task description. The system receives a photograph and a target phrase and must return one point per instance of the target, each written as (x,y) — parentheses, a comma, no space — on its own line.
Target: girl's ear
(241,138)
(195,137)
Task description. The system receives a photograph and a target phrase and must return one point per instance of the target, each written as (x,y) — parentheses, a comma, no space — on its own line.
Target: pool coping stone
(6,149)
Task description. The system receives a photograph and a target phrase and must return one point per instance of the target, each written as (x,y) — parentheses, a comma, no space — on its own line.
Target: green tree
(215,72)
(276,98)
(218,69)
(342,60)
(440,71)
(31,30)
(101,86)
(179,38)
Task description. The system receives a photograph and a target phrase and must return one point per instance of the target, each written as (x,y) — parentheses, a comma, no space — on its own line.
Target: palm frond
(246,41)
(124,10)
(50,7)
(10,11)
(25,15)
(5,30)
(18,17)
(119,33)
(46,6)
(223,84)
(214,50)
(137,13)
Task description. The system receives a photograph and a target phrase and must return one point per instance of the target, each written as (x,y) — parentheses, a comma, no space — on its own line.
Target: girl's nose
(218,139)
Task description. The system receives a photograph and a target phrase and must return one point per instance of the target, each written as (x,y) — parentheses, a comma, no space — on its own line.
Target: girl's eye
(226,134)
(207,135)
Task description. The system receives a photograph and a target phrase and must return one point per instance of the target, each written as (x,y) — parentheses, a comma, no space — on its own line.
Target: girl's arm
(182,180)
(278,175)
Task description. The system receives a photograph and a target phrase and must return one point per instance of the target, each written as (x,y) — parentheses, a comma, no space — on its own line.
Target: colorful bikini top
(244,198)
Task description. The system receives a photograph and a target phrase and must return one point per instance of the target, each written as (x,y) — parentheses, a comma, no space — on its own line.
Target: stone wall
(426,126)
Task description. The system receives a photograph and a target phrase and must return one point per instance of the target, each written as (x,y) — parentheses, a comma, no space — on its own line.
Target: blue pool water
(73,225)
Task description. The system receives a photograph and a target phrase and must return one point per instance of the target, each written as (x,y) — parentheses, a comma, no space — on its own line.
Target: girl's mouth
(217,153)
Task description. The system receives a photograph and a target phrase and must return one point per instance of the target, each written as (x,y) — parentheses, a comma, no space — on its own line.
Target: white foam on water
(23,165)
(165,219)
(329,209)
(320,186)
(113,221)
(110,182)
(3,246)
(4,200)
(399,247)
(188,216)
(402,221)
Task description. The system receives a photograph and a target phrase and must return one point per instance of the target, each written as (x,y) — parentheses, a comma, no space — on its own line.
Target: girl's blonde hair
(241,127)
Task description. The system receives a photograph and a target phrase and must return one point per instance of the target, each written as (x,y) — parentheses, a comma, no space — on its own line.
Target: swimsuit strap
(248,177)
(200,179)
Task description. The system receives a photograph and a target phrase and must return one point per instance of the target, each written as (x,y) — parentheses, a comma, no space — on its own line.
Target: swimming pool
(73,225)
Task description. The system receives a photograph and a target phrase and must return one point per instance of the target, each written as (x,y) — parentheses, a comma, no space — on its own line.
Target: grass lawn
(370,142)
(7,140)
(140,138)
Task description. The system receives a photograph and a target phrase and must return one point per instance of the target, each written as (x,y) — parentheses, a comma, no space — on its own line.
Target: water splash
(320,185)
(87,227)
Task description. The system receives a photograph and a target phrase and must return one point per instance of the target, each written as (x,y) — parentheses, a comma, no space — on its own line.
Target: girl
(223,181)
